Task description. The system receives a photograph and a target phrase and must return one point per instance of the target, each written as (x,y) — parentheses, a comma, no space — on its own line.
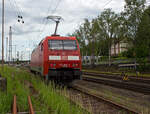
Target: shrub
(128,53)
(143,65)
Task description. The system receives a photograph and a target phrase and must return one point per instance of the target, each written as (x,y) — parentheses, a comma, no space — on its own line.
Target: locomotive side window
(62,44)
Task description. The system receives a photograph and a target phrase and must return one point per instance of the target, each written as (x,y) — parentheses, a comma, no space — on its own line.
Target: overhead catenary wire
(103,7)
(19,12)
(17,7)
(12,5)
(20,16)
(56,6)
(44,23)
(52,12)
(107,3)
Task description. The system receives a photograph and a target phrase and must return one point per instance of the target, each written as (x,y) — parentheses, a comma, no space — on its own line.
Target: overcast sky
(36,27)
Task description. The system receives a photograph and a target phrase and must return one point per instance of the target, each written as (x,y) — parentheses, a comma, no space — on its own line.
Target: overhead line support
(2,35)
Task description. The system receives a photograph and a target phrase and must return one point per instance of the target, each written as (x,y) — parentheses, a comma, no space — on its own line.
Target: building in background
(118,48)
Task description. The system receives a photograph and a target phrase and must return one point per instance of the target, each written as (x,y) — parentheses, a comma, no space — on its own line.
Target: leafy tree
(96,36)
(133,12)
(81,39)
(143,35)
(107,23)
(120,30)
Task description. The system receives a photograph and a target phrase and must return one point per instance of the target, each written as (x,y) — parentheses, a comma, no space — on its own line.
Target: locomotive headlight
(75,65)
(52,65)
(73,57)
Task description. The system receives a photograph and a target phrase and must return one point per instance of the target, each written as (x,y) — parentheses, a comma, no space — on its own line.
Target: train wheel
(80,77)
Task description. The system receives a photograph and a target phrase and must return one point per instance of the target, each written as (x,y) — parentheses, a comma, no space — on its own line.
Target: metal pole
(21,55)
(15,52)
(17,55)
(29,51)
(29,55)
(6,48)
(10,44)
(109,56)
(2,35)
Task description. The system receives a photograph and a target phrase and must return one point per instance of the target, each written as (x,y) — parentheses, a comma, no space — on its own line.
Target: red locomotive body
(57,58)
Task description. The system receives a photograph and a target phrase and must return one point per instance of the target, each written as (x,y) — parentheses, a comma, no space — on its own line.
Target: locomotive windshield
(62,44)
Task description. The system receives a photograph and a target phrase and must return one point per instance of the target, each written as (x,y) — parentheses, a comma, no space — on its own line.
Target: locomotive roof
(60,38)
(55,38)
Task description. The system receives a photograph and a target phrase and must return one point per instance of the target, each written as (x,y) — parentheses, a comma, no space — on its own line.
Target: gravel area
(92,104)
(134,100)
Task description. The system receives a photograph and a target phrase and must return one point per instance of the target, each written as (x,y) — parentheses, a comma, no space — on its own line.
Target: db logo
(63,53)
(64,58)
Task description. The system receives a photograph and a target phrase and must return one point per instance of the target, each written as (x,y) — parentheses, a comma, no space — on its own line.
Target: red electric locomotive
(57,58)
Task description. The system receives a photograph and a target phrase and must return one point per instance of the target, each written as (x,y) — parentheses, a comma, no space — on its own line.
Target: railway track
(134,84)
(106,101)
(15,111)
(145,80)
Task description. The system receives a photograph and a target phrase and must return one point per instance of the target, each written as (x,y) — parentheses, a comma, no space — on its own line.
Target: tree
(143,35)
(133,12)
(81,39)
(107,24)
(120,31)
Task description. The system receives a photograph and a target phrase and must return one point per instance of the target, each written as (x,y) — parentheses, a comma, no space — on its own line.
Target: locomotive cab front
(63,58)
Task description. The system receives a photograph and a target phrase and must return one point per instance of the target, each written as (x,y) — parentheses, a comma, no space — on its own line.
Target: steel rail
(14,111)
(119,77)
(137,87)
(30,105)
(120,106)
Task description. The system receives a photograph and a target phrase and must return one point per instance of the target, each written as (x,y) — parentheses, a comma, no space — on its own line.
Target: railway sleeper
(121,84)
(120,77)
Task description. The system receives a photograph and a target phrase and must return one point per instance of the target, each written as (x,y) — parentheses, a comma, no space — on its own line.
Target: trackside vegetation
(113,31)
(45,98)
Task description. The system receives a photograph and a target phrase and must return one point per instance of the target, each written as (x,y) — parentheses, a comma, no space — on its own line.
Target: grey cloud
(33,12)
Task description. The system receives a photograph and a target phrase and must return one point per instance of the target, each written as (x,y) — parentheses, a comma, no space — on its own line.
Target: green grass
(45,98)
